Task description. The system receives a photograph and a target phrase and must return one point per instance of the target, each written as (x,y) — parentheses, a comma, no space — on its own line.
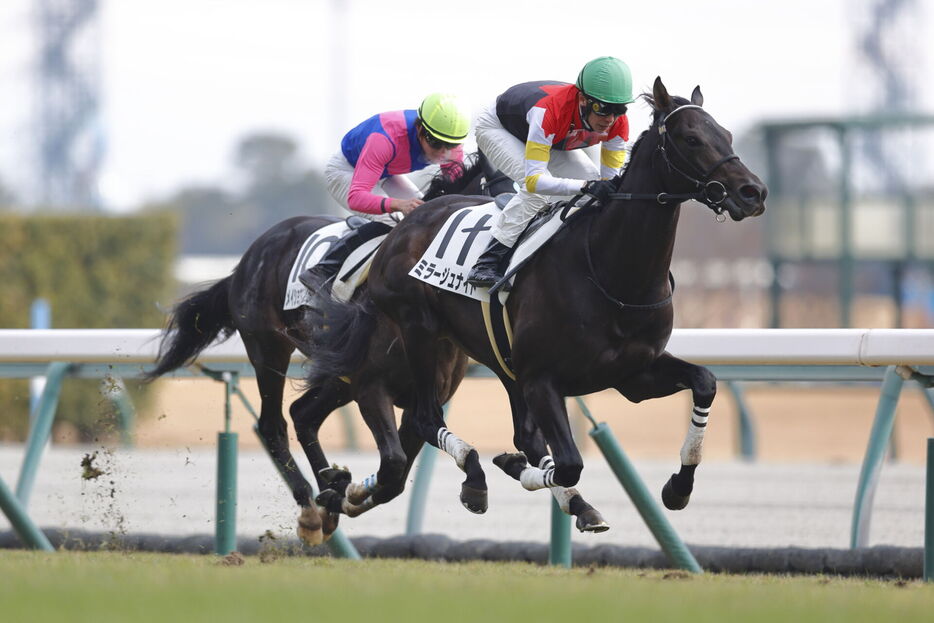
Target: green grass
(137,587)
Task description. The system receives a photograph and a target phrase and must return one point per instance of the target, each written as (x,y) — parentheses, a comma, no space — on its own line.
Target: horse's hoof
(356,493)
(335,478)
(673,500)
(309,526)
(474,500)
(329,522)
(592,521)
(511,463)
(331,500)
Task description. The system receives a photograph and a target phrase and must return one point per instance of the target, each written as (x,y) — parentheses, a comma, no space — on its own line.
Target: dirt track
(795,423)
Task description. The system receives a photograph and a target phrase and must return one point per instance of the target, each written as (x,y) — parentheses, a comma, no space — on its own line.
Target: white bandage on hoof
(453,445)
(533,478)
(692,450)
(563,497)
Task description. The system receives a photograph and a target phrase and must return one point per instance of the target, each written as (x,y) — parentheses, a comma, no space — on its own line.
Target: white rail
(862,347)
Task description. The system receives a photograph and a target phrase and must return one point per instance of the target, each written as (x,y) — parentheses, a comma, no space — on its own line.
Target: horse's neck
(632,241)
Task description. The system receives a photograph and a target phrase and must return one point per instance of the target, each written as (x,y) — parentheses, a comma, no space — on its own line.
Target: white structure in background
(191,270)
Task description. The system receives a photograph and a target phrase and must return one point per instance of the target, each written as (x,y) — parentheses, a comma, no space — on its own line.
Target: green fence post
(559,551)
(350,432)
(929,515)
(875,453)
(225,533)
(28,532)
(928,394)
(664,533)
(745,426)
(42,428)
(113,388)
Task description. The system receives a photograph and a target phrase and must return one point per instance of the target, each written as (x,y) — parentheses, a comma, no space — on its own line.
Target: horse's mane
(455,179)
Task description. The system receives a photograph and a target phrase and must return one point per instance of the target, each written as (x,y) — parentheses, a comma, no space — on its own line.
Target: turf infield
(138,587)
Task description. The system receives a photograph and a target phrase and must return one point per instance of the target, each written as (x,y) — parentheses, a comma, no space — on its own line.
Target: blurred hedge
(96,272)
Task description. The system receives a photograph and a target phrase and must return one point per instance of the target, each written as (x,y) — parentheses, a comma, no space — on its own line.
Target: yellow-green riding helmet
(443,118)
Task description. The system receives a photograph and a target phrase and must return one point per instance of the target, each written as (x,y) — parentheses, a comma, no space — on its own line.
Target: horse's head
(699,155)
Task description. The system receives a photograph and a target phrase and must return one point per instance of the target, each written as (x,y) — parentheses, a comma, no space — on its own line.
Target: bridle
(709,192)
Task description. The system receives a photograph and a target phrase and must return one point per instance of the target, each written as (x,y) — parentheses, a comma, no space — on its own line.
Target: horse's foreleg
(666,376)
(308,413)
(421,348)
(550,415)
(528,438)
(569,499)
(376,407)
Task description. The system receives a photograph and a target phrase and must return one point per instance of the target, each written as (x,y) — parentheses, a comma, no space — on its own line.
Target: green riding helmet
(606,79)
(442,117)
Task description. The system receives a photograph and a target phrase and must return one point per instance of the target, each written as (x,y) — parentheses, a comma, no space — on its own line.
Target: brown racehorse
(591,311)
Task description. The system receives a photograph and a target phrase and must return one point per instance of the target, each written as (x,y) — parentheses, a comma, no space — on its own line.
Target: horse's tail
(194,324)
(340,338)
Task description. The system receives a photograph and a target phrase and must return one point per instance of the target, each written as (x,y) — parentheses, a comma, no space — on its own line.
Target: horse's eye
(693,141)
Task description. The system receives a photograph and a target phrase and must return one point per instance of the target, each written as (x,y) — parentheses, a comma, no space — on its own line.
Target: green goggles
(605,109)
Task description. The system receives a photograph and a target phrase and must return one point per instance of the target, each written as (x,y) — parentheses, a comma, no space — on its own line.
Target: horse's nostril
(751,192)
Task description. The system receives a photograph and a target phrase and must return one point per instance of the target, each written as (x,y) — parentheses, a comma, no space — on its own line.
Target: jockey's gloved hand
(599,189)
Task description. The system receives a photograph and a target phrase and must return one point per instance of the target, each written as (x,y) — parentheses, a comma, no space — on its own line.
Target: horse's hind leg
(666,376)
(528,438)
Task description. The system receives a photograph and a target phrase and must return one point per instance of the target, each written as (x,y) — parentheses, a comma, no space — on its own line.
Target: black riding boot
(490,266)
(325,270)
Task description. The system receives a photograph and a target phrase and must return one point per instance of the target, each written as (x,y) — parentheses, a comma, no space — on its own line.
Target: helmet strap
(584,112)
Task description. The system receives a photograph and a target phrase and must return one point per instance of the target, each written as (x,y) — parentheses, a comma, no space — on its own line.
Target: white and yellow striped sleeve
(537,154)
(612,157)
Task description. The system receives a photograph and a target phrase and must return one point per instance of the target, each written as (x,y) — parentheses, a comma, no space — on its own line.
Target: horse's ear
(660,95)
(697,98)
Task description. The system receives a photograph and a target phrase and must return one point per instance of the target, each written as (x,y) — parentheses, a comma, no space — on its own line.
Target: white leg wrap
(693,446)
(453,445)
(533,478)
(563,497)
(352,510)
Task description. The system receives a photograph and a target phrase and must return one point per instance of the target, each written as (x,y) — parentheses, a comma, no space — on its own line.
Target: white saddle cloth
(461,240)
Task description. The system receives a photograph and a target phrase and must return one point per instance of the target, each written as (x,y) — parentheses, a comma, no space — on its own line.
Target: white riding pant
(338,174)
(507,153)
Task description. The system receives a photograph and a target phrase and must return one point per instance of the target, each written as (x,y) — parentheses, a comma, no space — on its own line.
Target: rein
(634,306)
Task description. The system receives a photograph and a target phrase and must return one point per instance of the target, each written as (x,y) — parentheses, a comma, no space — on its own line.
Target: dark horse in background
(591,311)
(250,301)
